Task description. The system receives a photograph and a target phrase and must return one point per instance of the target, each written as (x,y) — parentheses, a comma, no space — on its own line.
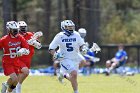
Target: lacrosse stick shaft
(9,54)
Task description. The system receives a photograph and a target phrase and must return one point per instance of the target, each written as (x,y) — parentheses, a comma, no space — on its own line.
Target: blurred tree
(14,10)
(92,20)
(76,13)
(6,13)
(66,7)
(22,6)
(115,31)
(47,10)
(59,3)
(122,25)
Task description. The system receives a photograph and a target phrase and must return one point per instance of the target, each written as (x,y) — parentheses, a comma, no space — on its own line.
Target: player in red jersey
(33,43)
(14,45)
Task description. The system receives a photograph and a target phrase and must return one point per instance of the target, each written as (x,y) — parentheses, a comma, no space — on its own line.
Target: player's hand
(30,41)
(37,44)
(58,56)
(84,50)
(19,53)
(37,35)
(22,51)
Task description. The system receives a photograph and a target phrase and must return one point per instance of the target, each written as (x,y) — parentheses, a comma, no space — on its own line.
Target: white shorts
(69,65)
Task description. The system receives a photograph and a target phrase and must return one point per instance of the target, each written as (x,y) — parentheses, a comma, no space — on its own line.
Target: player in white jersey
(89,56)
(69,43)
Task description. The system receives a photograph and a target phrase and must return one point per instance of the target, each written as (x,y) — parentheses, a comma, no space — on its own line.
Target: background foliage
(106,21)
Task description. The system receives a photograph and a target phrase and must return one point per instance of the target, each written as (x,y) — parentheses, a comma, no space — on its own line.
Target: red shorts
(9,68)
(19,65)
(27,62)
(12,67)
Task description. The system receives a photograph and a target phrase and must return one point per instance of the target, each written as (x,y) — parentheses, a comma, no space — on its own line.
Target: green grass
(87,84)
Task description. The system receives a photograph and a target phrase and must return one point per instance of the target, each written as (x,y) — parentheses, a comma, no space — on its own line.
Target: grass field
(87,84)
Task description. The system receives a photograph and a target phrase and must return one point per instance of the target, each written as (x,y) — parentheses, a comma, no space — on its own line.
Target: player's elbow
(51,51)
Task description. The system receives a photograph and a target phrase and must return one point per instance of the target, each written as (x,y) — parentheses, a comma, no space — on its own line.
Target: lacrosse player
(14,46)
(89,56)
(119,60)
(69,42)
(32,41)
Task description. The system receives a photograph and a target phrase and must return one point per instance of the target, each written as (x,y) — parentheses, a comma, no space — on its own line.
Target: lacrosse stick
(95,48)
(94,59)
(37,35)
(34,38)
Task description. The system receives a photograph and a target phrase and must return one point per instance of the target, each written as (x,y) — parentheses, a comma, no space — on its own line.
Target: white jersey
(68,45)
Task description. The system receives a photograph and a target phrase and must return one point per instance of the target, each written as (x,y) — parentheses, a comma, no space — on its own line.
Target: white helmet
(67,26)
(82,32)
(23,26)
(12,27)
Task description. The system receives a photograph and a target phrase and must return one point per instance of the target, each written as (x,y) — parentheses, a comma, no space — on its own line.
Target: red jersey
(28,36)
(12,45)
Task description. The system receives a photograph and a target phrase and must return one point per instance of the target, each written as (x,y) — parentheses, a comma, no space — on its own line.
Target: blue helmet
(67,26)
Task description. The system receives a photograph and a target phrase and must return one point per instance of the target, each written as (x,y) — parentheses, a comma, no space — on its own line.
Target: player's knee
(108,63)
(25,71)
(74,74)
(114,64)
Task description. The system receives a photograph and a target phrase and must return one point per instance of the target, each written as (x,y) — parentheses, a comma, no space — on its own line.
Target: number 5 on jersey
(69,47)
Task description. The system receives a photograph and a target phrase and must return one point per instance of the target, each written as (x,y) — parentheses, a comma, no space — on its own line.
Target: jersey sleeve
(80,40)
(1,43)
(55,42)
(24,43)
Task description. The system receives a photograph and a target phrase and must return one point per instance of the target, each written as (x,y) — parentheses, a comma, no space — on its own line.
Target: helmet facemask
(83,35)
(68,27)
(23,30)
(14,32)
(23,27)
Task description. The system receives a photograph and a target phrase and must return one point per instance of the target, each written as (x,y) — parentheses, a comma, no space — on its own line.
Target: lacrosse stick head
(37,34)
(95,48)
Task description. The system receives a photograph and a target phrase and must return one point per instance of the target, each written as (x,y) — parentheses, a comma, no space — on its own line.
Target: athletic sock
(18,88)
(76,91)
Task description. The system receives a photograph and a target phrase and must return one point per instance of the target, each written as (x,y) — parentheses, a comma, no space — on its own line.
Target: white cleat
(4,87)
(60,78)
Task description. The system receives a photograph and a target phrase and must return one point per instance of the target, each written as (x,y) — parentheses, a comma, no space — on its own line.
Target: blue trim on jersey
(67,32)
(64,66)
(90,53)
(119,54)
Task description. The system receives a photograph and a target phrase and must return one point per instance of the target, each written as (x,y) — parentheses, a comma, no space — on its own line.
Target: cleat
(107,73)
(60,78)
